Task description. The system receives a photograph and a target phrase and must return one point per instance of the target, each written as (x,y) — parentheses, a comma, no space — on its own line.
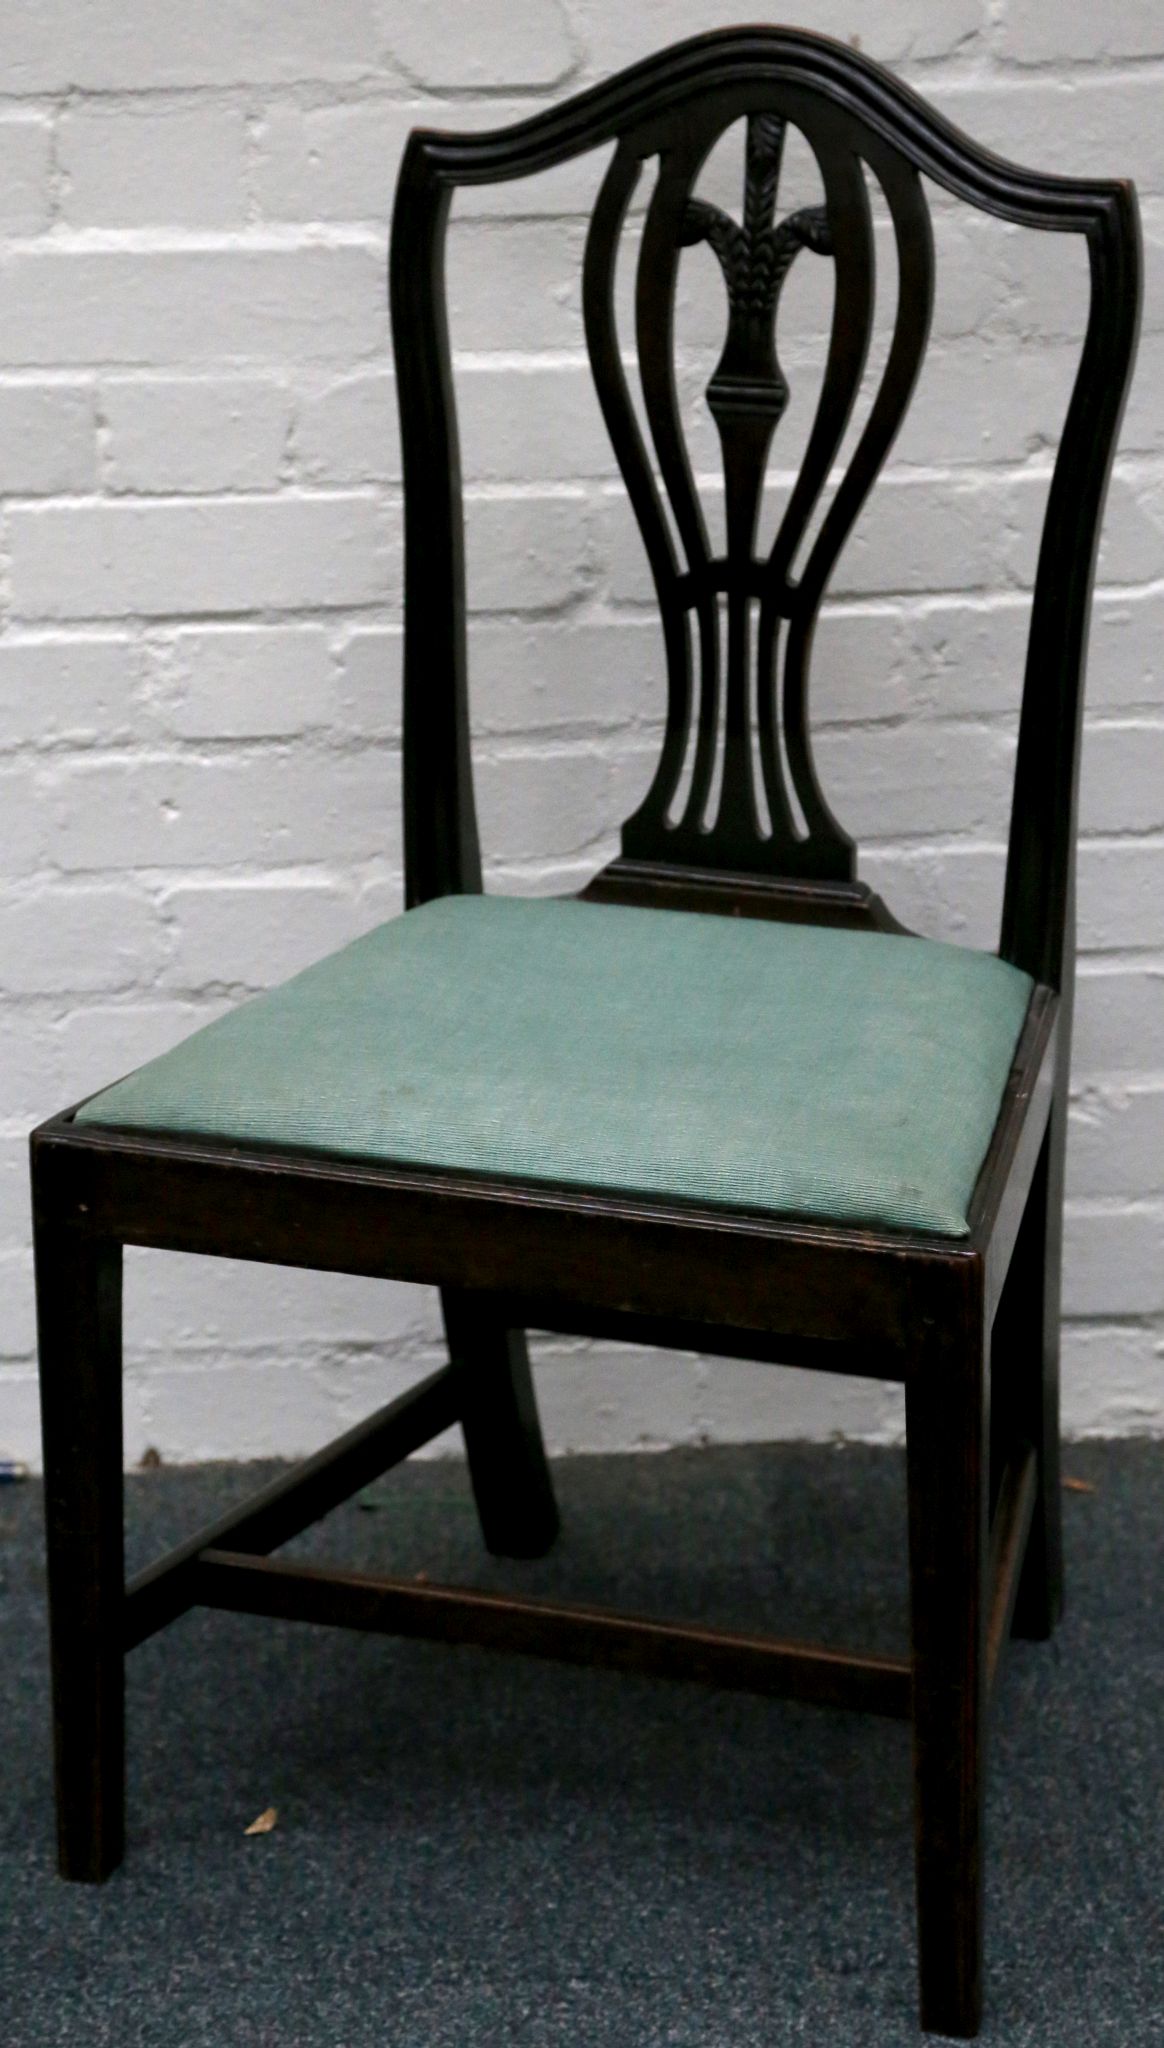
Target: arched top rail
(762,58)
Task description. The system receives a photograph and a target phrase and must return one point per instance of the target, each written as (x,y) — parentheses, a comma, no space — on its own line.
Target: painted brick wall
(200,625)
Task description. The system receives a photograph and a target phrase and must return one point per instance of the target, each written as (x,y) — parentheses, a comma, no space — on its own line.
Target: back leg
(1025,1382)
(503,1437)
(946,1467)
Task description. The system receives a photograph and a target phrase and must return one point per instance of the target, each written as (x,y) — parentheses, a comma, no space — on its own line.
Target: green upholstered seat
(790,1068)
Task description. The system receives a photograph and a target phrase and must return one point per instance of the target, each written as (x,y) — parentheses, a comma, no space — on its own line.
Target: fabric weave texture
(795,1069)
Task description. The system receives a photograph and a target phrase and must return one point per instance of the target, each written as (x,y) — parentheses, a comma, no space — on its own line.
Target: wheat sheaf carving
(755,258)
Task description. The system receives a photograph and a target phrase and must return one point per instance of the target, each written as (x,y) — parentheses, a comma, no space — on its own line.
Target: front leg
(78,1284)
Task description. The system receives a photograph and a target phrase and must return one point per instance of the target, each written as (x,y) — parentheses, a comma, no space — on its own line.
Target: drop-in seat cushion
(797,1069)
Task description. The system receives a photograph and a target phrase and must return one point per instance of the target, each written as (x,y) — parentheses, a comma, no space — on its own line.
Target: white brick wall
(200,627)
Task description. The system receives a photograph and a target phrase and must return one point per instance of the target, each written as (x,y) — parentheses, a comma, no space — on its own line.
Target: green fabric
(783,1067)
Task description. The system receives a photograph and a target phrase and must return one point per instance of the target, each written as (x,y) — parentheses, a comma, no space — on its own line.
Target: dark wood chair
(536,1107)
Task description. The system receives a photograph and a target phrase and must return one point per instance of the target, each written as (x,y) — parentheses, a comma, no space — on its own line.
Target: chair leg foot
(946,1459)
(79,1327)
(503,1438)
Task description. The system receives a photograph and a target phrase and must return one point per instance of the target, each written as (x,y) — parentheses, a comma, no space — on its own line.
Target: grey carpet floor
(475,1850)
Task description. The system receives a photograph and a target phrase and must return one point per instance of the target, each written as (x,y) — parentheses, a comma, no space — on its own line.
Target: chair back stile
(741,704)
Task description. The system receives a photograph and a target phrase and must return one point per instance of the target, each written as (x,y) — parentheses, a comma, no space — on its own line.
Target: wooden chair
(722,1103)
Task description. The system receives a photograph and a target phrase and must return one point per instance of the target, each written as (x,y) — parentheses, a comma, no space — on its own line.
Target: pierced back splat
(747,396)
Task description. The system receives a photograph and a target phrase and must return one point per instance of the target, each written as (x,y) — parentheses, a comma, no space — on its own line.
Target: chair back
(735,789)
